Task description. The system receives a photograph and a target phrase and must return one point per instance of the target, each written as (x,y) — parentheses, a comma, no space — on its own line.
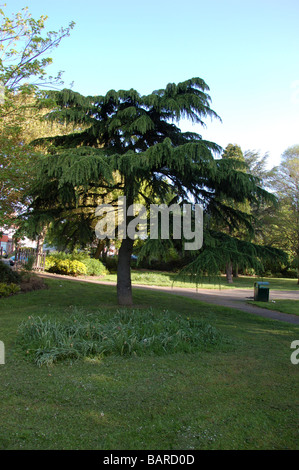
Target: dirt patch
(31,283)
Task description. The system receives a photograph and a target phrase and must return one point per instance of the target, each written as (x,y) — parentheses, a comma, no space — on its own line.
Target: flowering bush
(67,263)
(68,267)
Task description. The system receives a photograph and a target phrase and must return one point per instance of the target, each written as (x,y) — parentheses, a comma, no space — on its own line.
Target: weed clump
(126,333)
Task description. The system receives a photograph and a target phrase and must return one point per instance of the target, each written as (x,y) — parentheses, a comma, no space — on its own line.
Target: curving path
(233,298)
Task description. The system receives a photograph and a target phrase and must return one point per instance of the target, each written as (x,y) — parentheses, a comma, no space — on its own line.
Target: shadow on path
(233,298)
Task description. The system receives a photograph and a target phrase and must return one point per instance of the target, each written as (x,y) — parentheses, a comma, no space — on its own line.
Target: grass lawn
(162,278)
(243,395)
(284,306)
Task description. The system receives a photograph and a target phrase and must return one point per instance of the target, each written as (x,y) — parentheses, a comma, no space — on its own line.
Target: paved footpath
(233,298)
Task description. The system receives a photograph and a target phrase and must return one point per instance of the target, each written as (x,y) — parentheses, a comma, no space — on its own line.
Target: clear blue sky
(247,51)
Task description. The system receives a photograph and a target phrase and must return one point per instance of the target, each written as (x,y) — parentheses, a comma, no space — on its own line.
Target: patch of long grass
(126,333)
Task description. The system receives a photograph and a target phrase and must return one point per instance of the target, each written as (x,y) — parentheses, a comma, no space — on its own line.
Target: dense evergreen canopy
(130,145)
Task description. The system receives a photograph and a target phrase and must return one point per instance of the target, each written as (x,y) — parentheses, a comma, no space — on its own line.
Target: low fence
(30,257)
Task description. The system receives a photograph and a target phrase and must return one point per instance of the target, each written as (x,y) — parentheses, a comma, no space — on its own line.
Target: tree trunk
(124,285)
(99,249)
(229,273)
(39,246)
(236,271)
(15,244)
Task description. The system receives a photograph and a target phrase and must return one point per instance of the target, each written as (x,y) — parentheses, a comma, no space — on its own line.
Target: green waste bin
(261,291)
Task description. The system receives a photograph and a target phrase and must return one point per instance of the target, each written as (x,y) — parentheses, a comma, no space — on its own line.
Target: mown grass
(284,306)
(161,278)
(244,396)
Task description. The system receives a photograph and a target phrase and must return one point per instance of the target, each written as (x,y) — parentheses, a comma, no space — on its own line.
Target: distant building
(7,244)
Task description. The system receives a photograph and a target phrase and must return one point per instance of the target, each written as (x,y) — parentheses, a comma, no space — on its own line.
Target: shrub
(59,267)
(8,275)
(8,289)
(74,264)
(77,268)
(111,263)
(28,266)
(94,267)
(290,273)
(68,267)
(249,272)
(49,262)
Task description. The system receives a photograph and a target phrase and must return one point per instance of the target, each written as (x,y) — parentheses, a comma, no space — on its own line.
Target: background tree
(264,215)
(258,165)
(23,50)
(285,183)
(231,237)
(23,62)
(233,155)
(17,157)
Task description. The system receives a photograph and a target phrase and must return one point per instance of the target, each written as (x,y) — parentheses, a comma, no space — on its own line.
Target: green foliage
(28,266)
(68,267)
(131,145)
(74,264)
(257,165)
(127,333)
(23,49)
(8,289)
(7,274)
(23,62)
(239,396)
(233,151)
(285,182)
(94,267)
(111,263)
(49,262)
(220,249)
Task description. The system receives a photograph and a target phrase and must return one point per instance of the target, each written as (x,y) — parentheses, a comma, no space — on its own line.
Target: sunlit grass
(284,306)
(238,397)
(158,278)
